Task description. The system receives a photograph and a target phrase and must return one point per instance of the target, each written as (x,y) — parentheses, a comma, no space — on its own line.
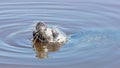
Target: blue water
(92,26)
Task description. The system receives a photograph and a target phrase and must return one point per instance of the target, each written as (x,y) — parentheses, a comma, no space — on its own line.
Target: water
(93,28)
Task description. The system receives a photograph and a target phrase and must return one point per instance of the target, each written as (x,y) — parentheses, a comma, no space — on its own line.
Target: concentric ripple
(92,28)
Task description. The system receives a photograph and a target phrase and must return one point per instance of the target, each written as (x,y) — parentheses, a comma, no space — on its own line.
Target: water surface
(93,28)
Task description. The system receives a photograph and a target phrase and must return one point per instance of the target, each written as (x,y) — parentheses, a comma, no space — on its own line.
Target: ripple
(92,28)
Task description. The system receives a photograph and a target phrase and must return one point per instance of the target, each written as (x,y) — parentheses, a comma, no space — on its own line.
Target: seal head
(41,27)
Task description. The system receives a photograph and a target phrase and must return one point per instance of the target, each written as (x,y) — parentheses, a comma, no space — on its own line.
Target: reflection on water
(93,27)
(42,49)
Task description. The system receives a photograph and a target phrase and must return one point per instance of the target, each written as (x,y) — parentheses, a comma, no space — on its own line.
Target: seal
(47,39)
(46,34)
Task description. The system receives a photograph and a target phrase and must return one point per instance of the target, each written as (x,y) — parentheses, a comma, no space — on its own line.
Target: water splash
(86,47)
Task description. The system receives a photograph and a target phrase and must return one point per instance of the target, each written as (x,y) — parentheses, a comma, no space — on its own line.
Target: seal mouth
(39,36)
